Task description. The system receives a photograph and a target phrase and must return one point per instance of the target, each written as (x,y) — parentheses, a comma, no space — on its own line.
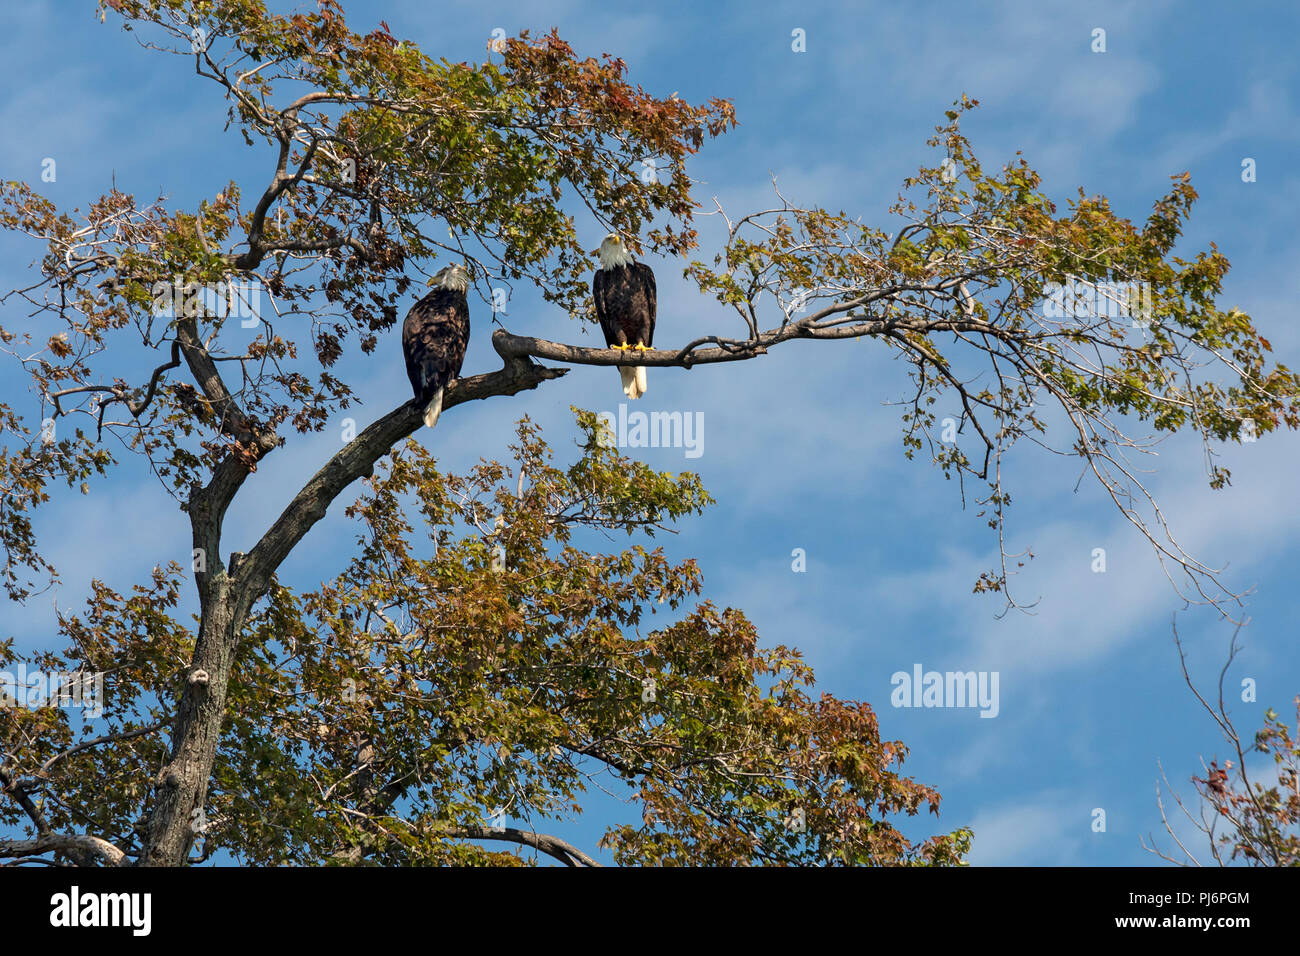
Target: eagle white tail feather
(633,380)
(433,410)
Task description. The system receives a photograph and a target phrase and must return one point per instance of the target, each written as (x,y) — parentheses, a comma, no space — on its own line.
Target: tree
(373,143)
(1241,818)
(474,666)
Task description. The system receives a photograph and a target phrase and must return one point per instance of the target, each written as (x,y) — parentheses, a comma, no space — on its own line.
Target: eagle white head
(454,277)
(613,252)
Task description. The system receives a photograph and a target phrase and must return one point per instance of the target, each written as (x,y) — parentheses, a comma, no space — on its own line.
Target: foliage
(374,145)
(437,681)
(1263,822)
(1005,311)
(1244,816)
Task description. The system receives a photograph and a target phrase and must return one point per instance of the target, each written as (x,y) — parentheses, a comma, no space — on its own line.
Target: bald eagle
(434,338)
(624,290)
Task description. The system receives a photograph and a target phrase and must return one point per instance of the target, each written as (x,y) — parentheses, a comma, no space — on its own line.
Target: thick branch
(358,458)
(520,373)
(7,785)
(70,843)
(726,350)
(566,853)
(230,417)
(207,505)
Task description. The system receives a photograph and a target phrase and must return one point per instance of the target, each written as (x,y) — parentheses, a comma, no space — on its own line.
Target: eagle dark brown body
(626,303)
(434,339)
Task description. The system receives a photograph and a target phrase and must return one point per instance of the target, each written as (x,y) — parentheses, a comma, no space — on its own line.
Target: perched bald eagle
(434,338)
(624,290)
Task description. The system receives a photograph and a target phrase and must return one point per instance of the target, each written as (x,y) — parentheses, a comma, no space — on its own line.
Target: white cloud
(1045,830)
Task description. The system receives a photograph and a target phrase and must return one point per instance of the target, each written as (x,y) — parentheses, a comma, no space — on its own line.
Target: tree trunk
(182,786)
(226,598)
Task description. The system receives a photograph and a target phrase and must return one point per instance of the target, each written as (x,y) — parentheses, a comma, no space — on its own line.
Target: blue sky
(800,450)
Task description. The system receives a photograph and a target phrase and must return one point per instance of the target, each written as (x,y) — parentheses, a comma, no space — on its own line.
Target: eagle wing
(652,299)
(600,290)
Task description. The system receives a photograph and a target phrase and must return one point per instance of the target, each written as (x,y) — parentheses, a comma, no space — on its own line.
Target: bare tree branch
(566,853)
(77,844)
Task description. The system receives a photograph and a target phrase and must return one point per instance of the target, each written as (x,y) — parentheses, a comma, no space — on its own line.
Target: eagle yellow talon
(641,348)
(621,348)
